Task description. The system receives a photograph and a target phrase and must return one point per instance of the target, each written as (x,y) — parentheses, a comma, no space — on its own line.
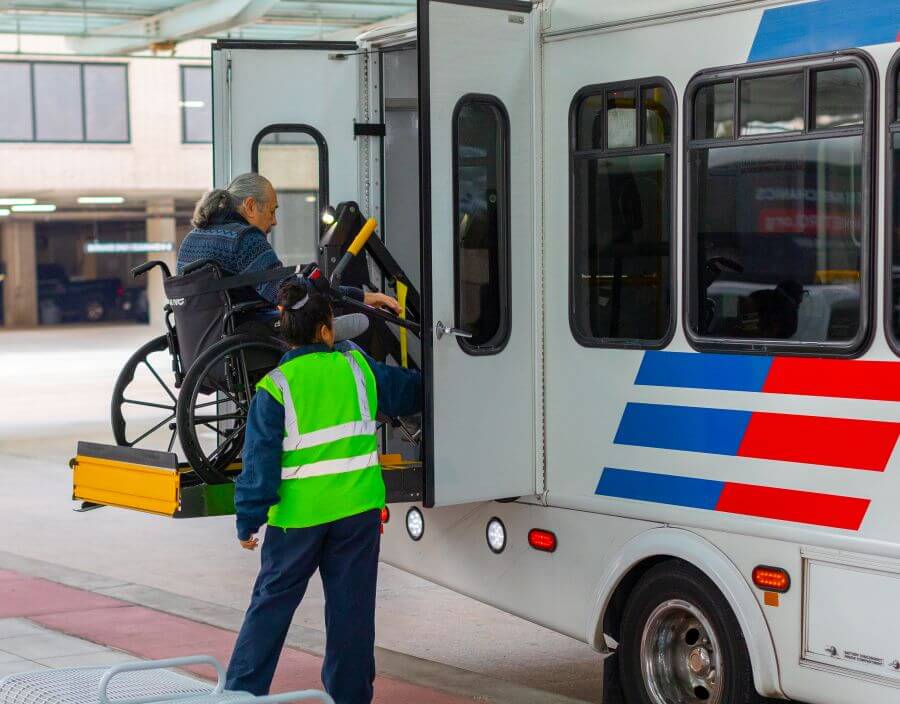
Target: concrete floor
(56,384)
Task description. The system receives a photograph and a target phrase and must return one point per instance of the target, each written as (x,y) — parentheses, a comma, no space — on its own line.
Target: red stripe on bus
(791,505)
(838,378)
(834,442)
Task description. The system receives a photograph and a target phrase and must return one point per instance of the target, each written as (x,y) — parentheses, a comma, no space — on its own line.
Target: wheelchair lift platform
(155,482)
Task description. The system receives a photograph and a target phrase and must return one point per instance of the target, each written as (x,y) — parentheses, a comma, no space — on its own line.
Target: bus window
(779,224)
(481,222)
(892,275)
(622,199)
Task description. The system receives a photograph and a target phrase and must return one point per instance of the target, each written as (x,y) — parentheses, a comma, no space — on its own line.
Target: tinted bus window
(620,268)
(778,227)
(892,273)
(481,223)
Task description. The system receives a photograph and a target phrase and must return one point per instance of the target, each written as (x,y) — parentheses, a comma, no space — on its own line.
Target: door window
(291,157)
(481,222)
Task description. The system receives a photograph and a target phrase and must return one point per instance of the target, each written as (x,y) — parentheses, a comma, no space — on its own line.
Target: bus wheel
(681,643)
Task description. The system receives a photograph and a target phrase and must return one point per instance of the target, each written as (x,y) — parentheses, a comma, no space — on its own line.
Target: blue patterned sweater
(239,248)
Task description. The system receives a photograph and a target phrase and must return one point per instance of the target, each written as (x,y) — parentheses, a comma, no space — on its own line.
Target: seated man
(231,226)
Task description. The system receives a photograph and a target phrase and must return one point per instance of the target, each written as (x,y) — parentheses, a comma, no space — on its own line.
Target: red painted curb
(152,635)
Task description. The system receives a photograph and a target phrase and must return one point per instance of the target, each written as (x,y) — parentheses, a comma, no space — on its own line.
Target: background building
(105,143)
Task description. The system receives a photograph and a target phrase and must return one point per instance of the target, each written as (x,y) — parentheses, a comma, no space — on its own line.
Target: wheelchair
(198,379)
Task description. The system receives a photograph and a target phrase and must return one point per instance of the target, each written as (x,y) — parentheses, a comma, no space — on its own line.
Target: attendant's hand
(250,544)
(380,300)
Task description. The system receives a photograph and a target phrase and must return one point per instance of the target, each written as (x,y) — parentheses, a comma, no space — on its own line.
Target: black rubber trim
(425,264)
(508,5)
(892,100)
(283,44)
(131,455)
(319,139)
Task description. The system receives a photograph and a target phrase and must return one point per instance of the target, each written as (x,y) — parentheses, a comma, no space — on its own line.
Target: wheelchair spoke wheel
(144,399)
(214,404)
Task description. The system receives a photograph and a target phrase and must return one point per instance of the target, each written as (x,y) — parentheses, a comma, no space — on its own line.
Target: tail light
(543,540)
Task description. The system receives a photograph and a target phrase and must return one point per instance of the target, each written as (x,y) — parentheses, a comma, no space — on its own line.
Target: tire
(681,642)
(94,311)
(120,397)
(220,370)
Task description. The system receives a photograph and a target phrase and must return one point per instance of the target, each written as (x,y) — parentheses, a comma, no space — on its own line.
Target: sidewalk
(48,625)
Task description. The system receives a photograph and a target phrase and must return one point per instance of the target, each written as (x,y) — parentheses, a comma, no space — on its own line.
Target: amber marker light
(542,540)
(771,579)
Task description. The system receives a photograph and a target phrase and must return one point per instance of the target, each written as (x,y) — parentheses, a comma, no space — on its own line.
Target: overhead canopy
(123,26)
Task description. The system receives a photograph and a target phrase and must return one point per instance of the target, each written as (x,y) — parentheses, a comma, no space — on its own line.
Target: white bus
(667,226)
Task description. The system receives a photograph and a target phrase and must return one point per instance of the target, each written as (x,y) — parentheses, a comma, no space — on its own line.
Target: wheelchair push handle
(147,266)
(355,248)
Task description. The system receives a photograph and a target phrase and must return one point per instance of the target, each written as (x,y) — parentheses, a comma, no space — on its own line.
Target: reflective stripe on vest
(295,440)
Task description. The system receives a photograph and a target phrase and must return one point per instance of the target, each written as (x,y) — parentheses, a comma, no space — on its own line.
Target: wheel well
(612,618)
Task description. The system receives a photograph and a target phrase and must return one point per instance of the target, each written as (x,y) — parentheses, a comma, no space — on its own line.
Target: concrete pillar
(160,228)
(20,299)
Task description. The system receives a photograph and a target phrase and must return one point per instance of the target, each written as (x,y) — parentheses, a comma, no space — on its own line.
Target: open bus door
(476,107)
(287,110)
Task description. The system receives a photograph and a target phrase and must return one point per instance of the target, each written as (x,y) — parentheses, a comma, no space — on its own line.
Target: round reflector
(496,535)
(415,523)
(385,515)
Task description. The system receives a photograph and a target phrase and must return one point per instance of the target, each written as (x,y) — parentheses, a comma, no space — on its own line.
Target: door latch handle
(440,330)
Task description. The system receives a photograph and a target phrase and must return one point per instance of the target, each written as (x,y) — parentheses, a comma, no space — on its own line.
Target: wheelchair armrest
(199,264)
(250,305)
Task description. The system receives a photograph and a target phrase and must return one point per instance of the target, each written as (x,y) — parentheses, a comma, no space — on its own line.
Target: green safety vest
(329,456)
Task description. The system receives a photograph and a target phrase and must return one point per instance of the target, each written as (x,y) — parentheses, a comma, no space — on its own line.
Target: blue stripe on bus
(690,370)
(660,488)
(825,25)
(711,430)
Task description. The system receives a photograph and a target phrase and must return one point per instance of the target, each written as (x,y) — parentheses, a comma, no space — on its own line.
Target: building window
(622,200)
(481,223)
(63,102)
(892,273)
(196,104)
(779,208)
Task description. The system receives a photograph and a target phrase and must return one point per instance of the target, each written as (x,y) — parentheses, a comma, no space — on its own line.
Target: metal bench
(135,683)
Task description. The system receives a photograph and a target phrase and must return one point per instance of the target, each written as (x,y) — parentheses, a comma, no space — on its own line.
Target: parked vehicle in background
(63,299)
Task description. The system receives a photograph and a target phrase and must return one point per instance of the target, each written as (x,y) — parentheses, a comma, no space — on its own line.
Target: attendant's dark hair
(299,326)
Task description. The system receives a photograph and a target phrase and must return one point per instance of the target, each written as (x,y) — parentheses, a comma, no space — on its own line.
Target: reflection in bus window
(290,160)
(621,217)
(778,228)
(481,192)
(839,97)
(714,111)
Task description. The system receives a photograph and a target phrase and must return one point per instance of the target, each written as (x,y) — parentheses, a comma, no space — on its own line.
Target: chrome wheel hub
(680,656)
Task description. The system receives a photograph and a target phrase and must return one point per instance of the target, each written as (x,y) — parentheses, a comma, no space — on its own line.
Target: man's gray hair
(230,198)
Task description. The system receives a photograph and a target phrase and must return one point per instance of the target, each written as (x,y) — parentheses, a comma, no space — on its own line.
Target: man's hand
(250,544)
(380,300)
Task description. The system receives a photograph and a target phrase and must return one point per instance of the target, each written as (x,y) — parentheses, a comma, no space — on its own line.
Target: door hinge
(369,129)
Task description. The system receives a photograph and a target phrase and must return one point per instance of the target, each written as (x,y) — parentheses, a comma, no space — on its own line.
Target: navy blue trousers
(346,554)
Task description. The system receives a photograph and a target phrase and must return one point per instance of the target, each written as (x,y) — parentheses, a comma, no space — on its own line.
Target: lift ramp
(155,482)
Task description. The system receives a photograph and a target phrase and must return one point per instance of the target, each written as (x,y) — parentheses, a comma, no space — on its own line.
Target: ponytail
(214,203)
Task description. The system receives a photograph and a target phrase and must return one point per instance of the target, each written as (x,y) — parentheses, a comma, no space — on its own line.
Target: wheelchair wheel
(144,398)
(215,401)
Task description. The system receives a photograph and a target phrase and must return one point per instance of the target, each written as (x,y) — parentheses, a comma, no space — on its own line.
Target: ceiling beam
(198,18)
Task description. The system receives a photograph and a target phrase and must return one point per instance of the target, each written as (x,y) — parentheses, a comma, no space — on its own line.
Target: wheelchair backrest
(199,316)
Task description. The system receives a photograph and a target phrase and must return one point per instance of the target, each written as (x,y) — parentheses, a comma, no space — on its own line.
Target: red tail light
(543,540)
